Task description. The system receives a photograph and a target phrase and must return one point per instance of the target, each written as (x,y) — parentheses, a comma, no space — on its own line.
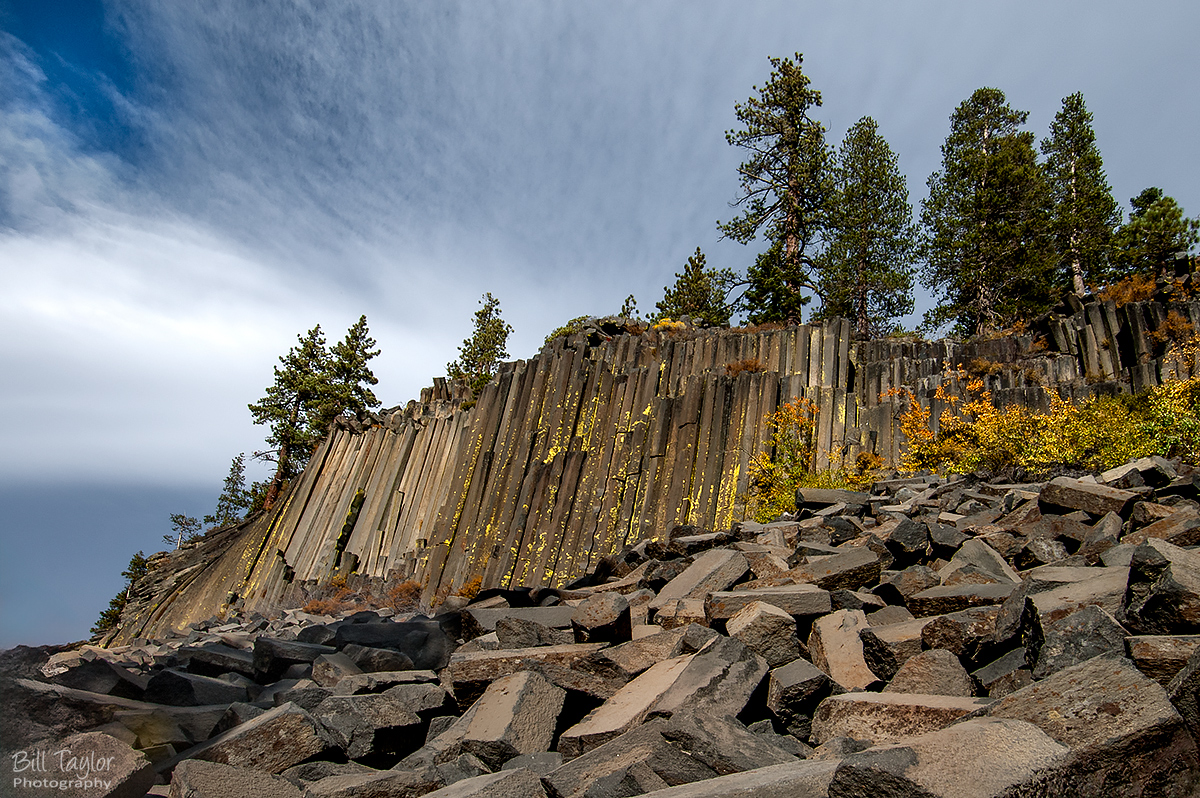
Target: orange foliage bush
(751,364)
(1136,288)
(405,596)
(471,587)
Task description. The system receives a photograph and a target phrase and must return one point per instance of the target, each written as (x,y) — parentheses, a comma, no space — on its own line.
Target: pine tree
(1083,211)
(184,528)
(784,194)
(629,308)
(234,499)
(866,274)
(481,354)
(1155,232)
(984,238)
(347,376)
(698,292)
(110,618)
(291,408)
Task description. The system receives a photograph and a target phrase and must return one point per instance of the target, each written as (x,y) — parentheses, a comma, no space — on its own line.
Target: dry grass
(1175,329)
(980,367)
(471,587)
(751,364)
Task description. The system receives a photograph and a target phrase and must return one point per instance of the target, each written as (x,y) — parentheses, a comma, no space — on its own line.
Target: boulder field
(929,636)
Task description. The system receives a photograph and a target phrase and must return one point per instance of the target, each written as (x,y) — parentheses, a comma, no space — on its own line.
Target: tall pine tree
(481,354)
(291,407)
(984,238)
(234,499)
(348,377)
(866,273)
(784,195)
(1083,211)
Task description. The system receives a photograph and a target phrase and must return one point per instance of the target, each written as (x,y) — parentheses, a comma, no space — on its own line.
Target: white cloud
(302,164)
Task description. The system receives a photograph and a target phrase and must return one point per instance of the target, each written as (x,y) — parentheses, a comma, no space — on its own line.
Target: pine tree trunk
(284,454)
(863,323)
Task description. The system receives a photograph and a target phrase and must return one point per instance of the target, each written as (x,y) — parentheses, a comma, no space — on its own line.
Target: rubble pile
(929,637)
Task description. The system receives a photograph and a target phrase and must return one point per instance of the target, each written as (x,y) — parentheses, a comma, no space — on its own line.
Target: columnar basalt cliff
(606,438)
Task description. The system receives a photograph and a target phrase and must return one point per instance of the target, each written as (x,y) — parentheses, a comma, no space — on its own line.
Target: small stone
(797,600)
(955,598)
(522,633)
(1161,657)
(86,765)
(1125,736)
(886,648)
(602,618)
(1005,675)
(1077,638)
(377,660)
(375,723)
(274,741)
(716,569)
(329,669)
(884,717)
(795,690)
(1097,500)
(977,758)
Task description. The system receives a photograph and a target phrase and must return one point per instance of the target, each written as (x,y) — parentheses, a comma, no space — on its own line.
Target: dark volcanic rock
(423,642)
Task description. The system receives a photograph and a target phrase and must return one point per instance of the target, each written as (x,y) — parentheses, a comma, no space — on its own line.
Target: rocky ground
(930,637)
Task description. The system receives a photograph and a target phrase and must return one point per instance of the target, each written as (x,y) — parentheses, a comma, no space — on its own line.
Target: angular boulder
(885,717)
(1125,736)
(517,714)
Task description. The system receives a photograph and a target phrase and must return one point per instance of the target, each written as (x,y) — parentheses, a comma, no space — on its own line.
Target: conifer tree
(348,377)
(234,499)
(184,528)
(1155,232)
(784,193)
(481,354)
(314,386)
(866,274)
(110,618)
(984,238)
(290,408)
(1083,211)
(699,292)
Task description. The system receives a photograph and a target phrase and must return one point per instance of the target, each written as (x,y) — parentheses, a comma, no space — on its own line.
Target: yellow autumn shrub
(1099,433)
(788,462)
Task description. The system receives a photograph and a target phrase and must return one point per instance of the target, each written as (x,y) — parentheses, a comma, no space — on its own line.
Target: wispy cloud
(282,164)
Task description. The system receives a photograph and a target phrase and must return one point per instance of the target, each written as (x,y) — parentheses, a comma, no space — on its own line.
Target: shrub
(1097,434)
(570,328)
(1175,329)
(1135,288)
(669,325)
(471,587)
(980,367)
(404,597)
(751,364)
(789,460)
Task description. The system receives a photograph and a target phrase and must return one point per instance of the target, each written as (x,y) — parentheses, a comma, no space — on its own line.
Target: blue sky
(184,188)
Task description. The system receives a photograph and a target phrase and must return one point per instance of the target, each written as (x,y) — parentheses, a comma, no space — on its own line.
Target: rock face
(444,494)
(1074,677)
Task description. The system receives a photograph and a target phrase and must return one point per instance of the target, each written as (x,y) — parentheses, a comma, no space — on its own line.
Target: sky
(185,188)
